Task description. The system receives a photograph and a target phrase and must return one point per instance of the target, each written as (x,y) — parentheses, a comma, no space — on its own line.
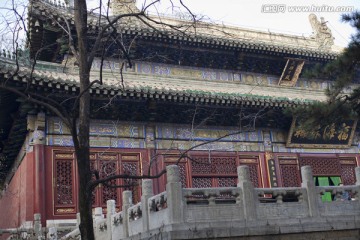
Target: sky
(283,16)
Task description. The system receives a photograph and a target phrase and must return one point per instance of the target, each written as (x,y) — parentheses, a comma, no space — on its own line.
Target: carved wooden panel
(107,164)
(64,182)
(348,174)
(183,175)
(201,165)
(254,174)
(254,167)
(348,171)
(213,165)
(108,168)
(322,166)
(227,181)
(224,165)
(132,168)
(290,175)
(201,182)
(106,156)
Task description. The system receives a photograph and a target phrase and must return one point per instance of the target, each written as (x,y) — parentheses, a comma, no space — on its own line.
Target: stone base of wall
(325,229)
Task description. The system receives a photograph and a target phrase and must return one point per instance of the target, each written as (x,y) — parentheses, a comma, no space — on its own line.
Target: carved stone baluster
(127,202)
(357,174)
(211,197)
(147,192)
(279,197)
(110,204)
(299,196)
(248,194)
(37,226)
(312,195)
(174,194)
(52,233)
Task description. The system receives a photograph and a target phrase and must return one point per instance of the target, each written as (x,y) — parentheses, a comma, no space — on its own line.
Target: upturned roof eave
(46,80)
(41,9)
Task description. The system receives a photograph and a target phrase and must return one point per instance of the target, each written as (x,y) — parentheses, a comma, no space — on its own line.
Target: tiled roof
(167,87)
(218,36)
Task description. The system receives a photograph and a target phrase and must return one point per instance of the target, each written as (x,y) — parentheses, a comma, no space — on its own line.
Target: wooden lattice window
(109,168)
(254,167)
(214,165)
(109,164)
(343,167)
(106,164)
(64,181)
(132,168)
(202,182)
(201,165)
(182,170)
(213,171)
(227,181)
(290,174)
(322,166)
(348,171)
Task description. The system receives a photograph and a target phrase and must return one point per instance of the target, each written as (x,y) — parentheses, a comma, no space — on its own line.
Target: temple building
(214,97)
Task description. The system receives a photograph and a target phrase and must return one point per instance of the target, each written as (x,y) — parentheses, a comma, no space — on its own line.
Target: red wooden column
(267,161)
(151,155)
(37,127)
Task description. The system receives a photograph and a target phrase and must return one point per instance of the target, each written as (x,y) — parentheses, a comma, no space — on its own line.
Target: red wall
(17,202)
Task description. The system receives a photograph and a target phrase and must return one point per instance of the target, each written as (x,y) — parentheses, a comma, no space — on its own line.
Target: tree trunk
(82,143)
(85,208)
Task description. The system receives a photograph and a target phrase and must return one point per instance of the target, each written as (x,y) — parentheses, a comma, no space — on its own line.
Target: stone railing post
(37,226)
(312,194)
(98,213)
(78,220)
(357,174)
(71,3)
(110,210)
(52,233)
(127,202)
(174,194)
(147,192)
(247,188)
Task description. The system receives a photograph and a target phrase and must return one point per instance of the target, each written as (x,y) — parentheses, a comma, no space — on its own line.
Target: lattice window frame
(203,165)
(107,193)
(253,162)
(202,182)
(172,159)
(290,175)
(136,190)
(348,165)
(118,158)
(96,157)
(227,181)
(342,166)
(61,157)
(183,173)
(214,172)
(322,166)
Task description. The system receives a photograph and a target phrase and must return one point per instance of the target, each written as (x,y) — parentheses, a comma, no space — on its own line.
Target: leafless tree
(107,33)
(106,30)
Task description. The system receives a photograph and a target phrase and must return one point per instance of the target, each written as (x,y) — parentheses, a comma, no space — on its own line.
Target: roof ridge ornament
(123,6)
(321,33)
